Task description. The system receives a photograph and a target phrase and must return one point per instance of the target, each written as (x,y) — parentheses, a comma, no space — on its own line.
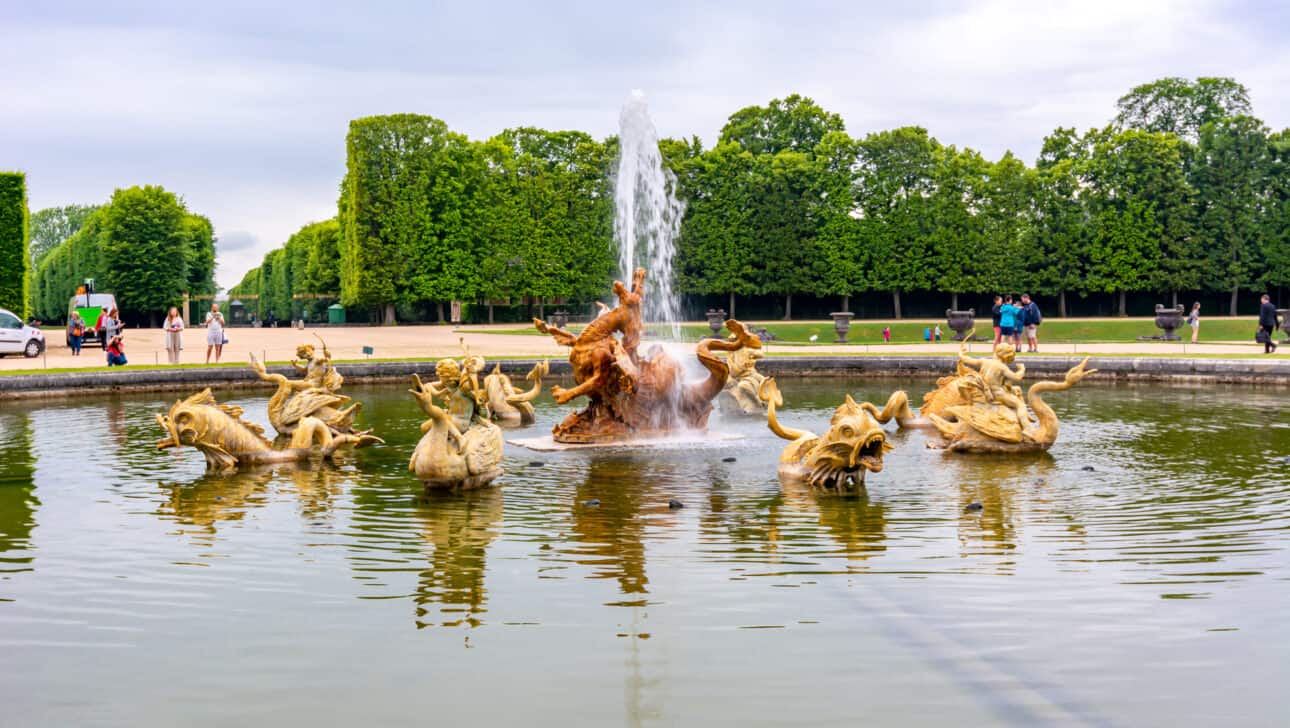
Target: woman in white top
(174,327)
(214,332)
(1194,321)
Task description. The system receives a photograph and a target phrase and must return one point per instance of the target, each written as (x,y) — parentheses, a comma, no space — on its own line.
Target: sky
(242,109)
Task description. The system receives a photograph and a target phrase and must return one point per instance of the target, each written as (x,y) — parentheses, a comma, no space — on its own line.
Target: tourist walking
(75,333)
(1267,323)
(214,324)
(174,328)
(116,352)
(1030,320)
(886,334)
(1007,320)
(1193,320)
(995,313)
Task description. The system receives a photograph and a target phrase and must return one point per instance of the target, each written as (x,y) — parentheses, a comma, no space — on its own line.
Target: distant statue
(461,447)
(509,405)
(740,393)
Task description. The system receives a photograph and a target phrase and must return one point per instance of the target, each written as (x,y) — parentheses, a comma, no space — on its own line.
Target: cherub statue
(461,447)
(994,381)
(317,368)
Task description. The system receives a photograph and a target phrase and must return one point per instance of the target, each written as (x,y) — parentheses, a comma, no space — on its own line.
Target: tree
(1181,107)
(144,247)
(795,124)
(1275,220)
(714,251)
(53,225)
(894,179)
(1057,237)
(199,241)
(15,261)
(1230,174)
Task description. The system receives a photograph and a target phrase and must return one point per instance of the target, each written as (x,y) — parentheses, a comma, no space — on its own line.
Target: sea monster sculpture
(633,394)
(507,404)
(229,442)
(316,395)
(993,417)
(740,394)
(461,447)
(854,444)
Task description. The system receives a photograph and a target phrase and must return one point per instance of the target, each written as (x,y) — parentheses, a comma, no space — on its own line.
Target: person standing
(214,324)
(1193,320)
(886,334)
(995,314)
(1268,323)
(174,328)
(936,333)
(1030,319)
(111,326)
(1007,319)
(75,333)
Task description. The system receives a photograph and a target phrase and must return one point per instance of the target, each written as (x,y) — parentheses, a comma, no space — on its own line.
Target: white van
(17,337)
(90,306)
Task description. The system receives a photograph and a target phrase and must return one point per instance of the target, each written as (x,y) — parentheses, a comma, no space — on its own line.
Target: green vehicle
(90,306)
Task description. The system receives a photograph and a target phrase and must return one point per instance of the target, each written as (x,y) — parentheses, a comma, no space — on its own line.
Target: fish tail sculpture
(509,405)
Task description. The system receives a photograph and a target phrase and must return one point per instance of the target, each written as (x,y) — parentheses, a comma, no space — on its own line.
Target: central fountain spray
(647,216)
(634,394)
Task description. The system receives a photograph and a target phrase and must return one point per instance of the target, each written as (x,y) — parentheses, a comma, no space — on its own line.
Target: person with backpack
(75,333)
(1030,319)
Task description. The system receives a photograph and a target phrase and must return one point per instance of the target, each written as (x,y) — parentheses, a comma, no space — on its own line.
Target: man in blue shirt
(1007,319)
(1030,320)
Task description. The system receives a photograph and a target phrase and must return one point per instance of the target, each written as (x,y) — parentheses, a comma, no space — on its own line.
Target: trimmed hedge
(14,263)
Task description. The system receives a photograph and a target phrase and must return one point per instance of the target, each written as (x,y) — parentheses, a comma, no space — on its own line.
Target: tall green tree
(15,261)
(144,248)
(1230,176)
(1056,239)
(1275,220)
(53,225)
(795,124)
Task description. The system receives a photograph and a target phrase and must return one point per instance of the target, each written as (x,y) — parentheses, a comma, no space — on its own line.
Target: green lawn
(1052,330)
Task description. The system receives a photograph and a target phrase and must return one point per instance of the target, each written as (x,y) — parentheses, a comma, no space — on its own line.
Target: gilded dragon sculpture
(229,442)
(740,393)
(633,394)
(854,444)
(316,395)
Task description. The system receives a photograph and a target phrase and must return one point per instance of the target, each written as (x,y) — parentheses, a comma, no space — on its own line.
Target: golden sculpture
(507,404)
(740,393)
(634,395)
(993,417)
(229,442)
(461,447)
(854,444)
(316,395)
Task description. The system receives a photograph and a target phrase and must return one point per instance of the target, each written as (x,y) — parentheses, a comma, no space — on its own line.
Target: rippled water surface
(1149,590)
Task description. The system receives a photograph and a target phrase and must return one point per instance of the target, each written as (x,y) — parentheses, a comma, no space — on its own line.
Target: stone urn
(960,322)
(560,319)
(842,324)
(1169,319)
(716,320)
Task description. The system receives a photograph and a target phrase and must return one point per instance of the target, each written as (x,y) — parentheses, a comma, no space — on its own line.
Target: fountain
(633,394)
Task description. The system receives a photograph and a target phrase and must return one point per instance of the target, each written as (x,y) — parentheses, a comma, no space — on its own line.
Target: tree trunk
(895,299)
(1235,291)
(542,309)
(1123,306)
(490,312)
(1173,299)
(846,303)
(1061,304)
(388,318)
(788,307)
(954,301)
(152,320)
(731,313)
(438,312)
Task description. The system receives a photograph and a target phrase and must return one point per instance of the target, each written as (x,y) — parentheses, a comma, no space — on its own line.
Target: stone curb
(1275,371)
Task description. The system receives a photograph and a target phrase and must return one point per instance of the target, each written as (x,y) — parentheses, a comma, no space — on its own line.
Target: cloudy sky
(242,109)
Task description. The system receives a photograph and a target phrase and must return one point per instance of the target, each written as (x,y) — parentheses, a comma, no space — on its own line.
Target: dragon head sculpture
(854,444)
(218,430)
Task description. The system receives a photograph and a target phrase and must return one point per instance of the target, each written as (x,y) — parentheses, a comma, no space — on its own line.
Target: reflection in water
(459,529)
(212,499)
(17,494)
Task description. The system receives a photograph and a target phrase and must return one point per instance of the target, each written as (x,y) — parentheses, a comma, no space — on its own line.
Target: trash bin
(335,314)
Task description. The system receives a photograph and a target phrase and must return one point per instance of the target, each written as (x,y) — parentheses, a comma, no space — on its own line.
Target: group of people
(215,337)
(107,328)
(1013,320)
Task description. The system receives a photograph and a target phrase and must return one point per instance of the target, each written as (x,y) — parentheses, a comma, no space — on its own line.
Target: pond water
(1150,590)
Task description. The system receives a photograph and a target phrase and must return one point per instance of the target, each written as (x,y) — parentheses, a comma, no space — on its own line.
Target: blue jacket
(1007,316)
